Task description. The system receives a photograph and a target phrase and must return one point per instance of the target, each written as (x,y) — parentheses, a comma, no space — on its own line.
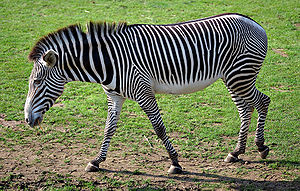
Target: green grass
(206,120)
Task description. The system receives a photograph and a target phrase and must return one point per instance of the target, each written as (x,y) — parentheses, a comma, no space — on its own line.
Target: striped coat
(138,61)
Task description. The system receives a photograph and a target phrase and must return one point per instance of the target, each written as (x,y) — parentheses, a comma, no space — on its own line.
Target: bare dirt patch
(297,25)
(280,52)
(5,123)
(58,105)
(281,89)
(42,165)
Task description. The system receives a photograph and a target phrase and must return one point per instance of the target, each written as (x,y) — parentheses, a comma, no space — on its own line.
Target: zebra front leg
(114,109)
(149,105)
(245,113)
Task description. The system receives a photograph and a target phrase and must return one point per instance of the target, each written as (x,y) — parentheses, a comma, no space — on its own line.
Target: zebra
(140,60)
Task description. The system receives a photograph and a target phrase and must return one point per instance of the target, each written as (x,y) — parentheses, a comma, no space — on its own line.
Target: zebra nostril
(27,120)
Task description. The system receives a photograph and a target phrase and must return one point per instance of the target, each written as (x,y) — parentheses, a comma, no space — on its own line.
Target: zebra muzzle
(34,122)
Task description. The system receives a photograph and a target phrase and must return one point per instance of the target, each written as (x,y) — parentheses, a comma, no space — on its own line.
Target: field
(202,126)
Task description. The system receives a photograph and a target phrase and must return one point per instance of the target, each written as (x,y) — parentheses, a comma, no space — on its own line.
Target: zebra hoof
(230,158)
(91,168)
(175,170)
(264,153)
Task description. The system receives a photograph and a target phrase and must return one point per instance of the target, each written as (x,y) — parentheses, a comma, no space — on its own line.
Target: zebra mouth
(37,121)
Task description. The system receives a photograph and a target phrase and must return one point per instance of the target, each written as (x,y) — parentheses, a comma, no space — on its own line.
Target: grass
(201,125)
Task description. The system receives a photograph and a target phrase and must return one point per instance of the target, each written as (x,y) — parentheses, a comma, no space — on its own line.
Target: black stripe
(107,62)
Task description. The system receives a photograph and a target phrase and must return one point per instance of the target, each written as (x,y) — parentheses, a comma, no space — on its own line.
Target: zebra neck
(78,68)
(90,57)
(88,63)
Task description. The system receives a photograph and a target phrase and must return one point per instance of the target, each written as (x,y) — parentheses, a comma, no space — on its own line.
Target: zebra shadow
(237,183)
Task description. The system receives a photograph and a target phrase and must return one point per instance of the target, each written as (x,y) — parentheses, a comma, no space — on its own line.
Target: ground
(54,165)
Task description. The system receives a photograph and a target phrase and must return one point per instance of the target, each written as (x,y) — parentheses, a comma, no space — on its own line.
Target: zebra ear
(50,58)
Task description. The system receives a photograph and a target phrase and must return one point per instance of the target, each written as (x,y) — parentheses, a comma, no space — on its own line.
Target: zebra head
(46,84)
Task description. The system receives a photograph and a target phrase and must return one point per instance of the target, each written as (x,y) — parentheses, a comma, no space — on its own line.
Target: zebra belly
(163,88)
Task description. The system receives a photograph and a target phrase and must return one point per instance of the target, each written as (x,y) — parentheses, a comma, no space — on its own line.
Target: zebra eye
(37,81)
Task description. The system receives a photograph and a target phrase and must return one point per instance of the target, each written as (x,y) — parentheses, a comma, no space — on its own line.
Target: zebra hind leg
(149,105)
(245,113)
(261,105)
(114,109)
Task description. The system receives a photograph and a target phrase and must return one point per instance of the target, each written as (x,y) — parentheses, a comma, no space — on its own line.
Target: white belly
(184,88)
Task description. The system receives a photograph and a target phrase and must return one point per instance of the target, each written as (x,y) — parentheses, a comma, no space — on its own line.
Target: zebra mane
(107,28)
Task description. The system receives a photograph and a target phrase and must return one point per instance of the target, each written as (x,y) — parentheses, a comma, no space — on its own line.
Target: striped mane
(108,28)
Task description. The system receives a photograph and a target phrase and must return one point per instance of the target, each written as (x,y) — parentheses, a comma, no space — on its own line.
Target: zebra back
(175,54)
